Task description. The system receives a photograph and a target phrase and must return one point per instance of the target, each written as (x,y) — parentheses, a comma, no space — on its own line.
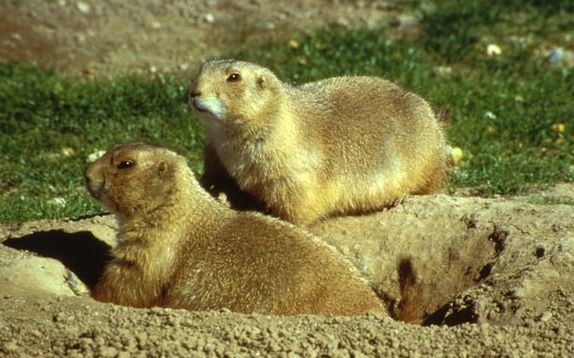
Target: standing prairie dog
(179,247)
(343,145)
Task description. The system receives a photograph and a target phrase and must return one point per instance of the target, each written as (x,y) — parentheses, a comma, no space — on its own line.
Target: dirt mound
(494,276)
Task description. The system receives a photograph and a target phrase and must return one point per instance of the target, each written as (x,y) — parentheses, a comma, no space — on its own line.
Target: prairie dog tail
(410,307)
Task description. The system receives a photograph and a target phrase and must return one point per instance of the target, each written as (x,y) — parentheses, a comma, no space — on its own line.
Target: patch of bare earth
(493,276)
(108,37)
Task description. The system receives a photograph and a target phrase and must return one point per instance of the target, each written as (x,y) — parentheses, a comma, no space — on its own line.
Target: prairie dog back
(337,146)
(179,247)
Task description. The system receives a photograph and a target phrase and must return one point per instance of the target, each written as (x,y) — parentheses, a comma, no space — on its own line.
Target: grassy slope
(504,109)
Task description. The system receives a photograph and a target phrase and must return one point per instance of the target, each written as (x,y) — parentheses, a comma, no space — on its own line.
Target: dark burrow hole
(81,252)
(441,286)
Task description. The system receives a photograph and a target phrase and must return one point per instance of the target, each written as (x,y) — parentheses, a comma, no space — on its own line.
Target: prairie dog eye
(124,164)
(234,77)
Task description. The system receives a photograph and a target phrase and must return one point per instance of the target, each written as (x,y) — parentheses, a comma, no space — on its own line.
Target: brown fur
(410,307)
(179,247)
(343,145)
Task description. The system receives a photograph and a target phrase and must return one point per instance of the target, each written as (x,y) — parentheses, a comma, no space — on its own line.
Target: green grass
(50,124)
(503,108)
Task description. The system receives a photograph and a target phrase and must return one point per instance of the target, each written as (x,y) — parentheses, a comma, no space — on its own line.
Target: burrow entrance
(439,257)
(445,256)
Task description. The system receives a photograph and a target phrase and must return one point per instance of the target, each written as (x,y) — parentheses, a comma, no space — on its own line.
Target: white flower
(489,115)
(58,201)
(493,50)
(95,156)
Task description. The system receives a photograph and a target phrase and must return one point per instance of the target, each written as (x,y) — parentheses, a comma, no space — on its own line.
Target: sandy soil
(495,277)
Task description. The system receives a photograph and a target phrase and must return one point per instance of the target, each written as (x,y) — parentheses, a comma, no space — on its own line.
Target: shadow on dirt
(81,252)
(446,315)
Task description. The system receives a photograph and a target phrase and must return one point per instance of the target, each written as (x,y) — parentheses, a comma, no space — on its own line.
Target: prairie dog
(343,145)
(179,247)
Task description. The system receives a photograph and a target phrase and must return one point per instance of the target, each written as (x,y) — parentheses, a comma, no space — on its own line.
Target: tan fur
(179,247)
(339,146)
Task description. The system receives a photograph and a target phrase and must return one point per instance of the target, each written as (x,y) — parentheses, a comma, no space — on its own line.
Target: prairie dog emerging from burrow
(179,247)
(343,145)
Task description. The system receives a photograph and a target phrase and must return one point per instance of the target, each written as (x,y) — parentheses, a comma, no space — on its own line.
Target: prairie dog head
(135,178)
(228,92)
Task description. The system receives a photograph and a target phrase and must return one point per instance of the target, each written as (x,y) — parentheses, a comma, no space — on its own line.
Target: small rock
(209,18)
(442,70)
(16,36)
(183,66)
(293,44)
(10,346)
(545,317)
(81,38)
(108,352)
(556,55)
(83,7)
(155,25)
(489,115)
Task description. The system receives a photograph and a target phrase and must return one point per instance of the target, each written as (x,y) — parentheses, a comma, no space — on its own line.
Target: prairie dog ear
(161,168)
(261,81)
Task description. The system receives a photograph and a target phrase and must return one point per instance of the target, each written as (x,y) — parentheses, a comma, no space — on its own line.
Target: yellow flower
(67,151)
(456,154)
(490,130)
(293,44)
(559,127)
